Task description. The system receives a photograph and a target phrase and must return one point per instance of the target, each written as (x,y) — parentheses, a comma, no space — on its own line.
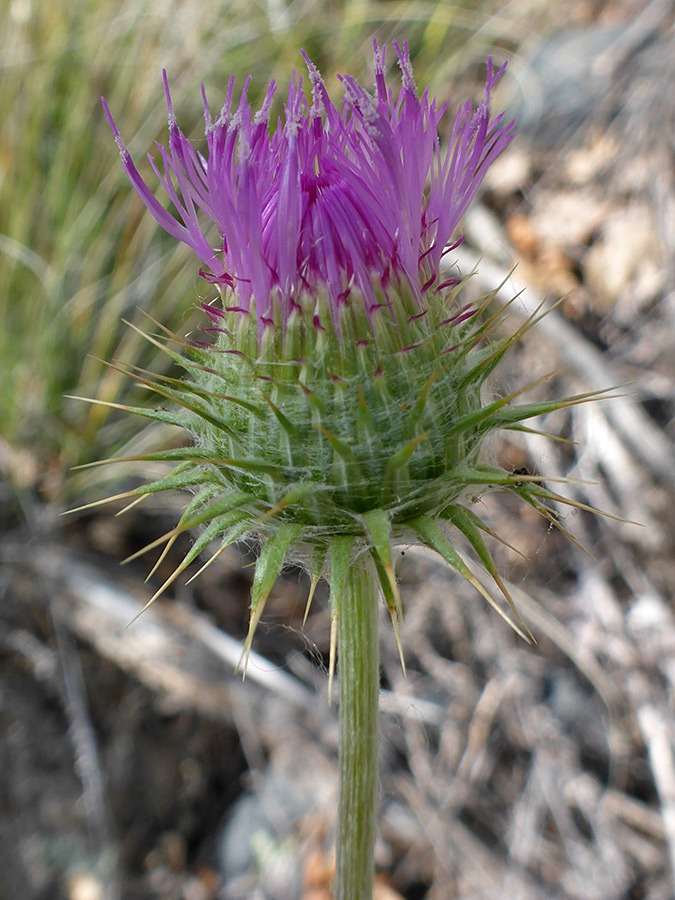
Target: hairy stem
(358,655)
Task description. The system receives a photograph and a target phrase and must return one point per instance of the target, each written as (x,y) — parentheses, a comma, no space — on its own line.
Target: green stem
(358,656)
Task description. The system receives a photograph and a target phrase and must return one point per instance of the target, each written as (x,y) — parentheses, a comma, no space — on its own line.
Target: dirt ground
(135,764)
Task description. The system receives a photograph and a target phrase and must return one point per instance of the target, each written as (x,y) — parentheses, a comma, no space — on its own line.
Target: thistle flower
(337,409)
(331,203)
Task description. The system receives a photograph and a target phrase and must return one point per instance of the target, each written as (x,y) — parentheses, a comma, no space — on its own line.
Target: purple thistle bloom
(331,202)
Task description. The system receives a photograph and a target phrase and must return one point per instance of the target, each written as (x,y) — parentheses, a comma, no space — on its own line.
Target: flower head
(338,407)
(331,201)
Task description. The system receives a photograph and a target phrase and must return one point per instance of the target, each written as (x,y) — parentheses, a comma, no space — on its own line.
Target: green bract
(327,440)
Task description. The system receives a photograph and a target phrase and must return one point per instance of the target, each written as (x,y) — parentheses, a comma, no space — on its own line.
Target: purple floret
(331,202)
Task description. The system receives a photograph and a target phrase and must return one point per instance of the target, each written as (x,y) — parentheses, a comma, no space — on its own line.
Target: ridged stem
(359,670)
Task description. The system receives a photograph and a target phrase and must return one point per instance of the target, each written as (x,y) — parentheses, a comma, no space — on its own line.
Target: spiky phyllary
(338,408)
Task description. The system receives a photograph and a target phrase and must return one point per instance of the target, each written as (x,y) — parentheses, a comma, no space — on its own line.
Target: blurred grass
(78,252)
